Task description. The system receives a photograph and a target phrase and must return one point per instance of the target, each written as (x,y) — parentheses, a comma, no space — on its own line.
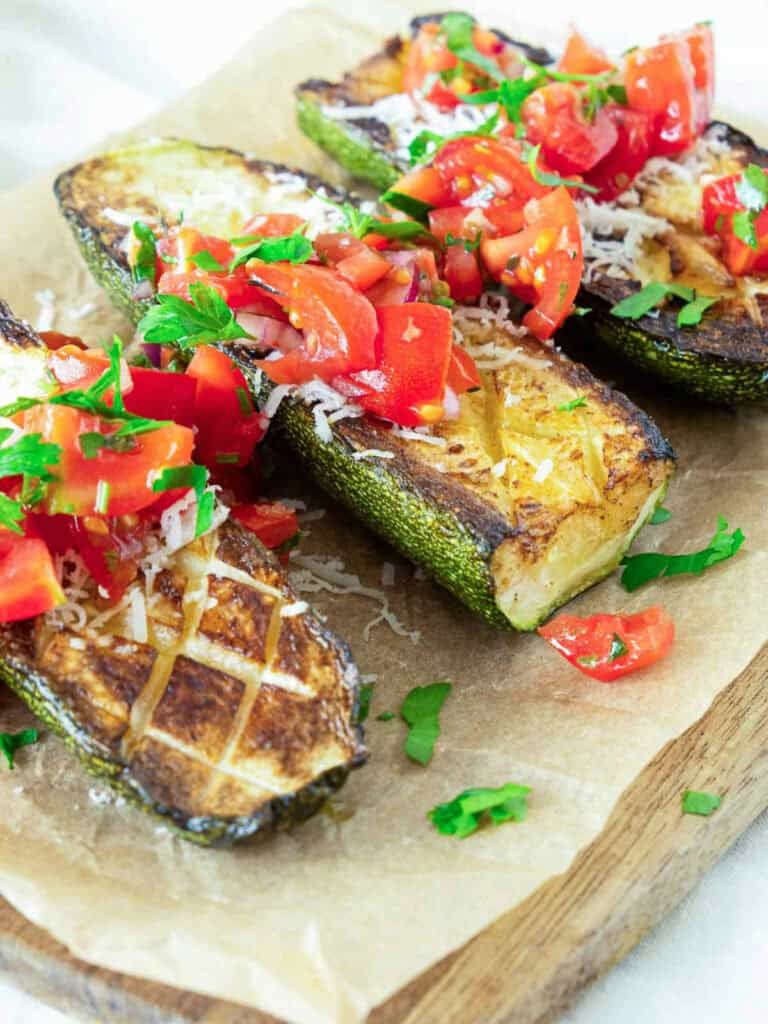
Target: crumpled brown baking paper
(321,924)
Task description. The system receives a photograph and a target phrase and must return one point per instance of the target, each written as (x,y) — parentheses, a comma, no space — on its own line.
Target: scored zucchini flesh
(222,705)
(365,121)
(515,506)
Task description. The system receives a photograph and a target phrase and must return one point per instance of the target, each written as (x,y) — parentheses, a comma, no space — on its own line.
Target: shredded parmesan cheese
(543,470)
(372,453)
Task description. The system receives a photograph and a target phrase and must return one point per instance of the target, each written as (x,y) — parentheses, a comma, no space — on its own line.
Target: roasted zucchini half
(211,697)
(373,143)
(365,122)
(514,507)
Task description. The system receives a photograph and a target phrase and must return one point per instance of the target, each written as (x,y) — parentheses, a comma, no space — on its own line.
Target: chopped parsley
(205,260)
(618,648)
(531,154)
(575,403)
(194,478)
(458,29)
(660,515)
(10,742)
(295,248)
(364,701)
(415,208)
(644,300)
(361,224)
(385,716)
(92,443)
(173,320)
(752,191)
(695,802)
(469,244)
(463,815)
(421,710)
(640,569)
(29,457)
(144,264)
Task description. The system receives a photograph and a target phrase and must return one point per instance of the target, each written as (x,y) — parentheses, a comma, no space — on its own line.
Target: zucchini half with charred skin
(722,359)
(515,506)
(235,714)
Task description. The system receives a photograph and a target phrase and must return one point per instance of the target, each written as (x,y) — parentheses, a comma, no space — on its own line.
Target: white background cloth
(73,70)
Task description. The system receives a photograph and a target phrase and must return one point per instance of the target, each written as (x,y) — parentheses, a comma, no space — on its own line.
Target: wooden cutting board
(531,963)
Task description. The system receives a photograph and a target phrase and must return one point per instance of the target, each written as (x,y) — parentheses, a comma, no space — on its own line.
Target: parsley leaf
(575,403)
(196,479)
(640,569)
(415,208)
(421,710)
(385,716)
(361,224)
(295,248)
(660,515)
(462,816)
(205,260)
(643,301)
(458,29)
(618,648)
(364,701)
(30,458)
(695,802)
(545,178)
(10,742)
(173,320)
(144,264)
(92,443)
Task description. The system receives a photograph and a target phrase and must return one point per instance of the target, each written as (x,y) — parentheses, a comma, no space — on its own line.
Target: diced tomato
(606,647)
(463,374)
(660,82)
(272,522)
(581,58)
(228,426)
(475,162)
(352,258)
(428,56)
(112,483)
(28,583)
(719,203)
(719,198)
(505,216)
(272,225)
(543,263)
(425,184)
(338,323)
(156,394)
(449,220)
(234,288)
(462,274)
(414,347)
(570,143)
(617,170)
(54,340)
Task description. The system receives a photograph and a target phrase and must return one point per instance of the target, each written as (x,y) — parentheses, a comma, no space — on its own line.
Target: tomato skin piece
(660,82)
(28,582)
(414,347)
(463,374)
(273,523)
(586,642)
(224,429)
(272,225)
(129,474)
(553,117)
(54,340)
(617,170)
(339,324)
(462,274)
(581,58)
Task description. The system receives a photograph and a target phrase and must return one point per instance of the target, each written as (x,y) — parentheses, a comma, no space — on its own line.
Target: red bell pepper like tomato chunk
(352,258)
(617,170)
(112,483)
(272,225)
(28,583)
(339,324)
(463,374)
(581,58)
(660,82)
(272,522)
(462,274)
(414,348)
(189,242)
(543,263)
(607,647)
(474,162)
(719,203)
(426,184)
(228,426)
(554,117)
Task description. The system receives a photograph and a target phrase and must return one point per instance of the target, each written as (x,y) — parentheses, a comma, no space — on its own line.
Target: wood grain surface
(531,963)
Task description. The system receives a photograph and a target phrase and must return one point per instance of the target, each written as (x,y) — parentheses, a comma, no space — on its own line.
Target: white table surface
(72,70)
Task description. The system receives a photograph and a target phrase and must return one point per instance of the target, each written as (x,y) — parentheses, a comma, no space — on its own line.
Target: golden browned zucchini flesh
(211,695)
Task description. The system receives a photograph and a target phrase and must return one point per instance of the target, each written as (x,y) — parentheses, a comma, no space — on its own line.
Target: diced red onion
(270,333)
(451,406)
(153,353)
(409,291)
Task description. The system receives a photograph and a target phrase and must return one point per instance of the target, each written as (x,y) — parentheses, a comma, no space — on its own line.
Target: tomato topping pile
(735,209)
(607,647)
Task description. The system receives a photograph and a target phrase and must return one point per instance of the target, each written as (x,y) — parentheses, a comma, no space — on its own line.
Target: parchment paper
(321,924)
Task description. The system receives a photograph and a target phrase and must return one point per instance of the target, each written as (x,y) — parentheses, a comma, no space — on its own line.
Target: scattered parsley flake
(92,443)
(144,262)
(190,477)
(643,301)
(660,515)
(414,208)
(458,30)
(618,648)
(695,802)
(640,569)
(205,260)
(295,248)
(10,742)
(385,716)
(575,403)
(364,701)
(421,710)
(469,244)
(463,815)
